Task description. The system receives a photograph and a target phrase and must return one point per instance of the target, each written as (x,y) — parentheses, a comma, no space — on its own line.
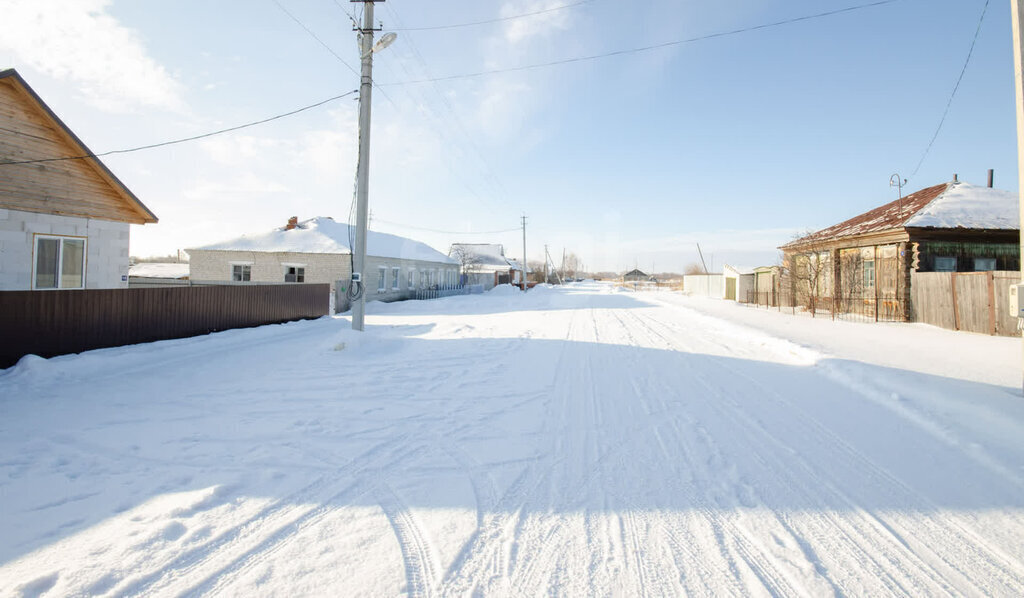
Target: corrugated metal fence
(48,323)
(971,301)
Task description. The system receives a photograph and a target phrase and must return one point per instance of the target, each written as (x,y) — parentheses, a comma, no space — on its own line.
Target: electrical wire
(668,44)
(185,139)
(498,20)
(949,102)
(317,38)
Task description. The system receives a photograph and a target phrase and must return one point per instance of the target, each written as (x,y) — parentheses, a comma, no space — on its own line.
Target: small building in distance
(318,250)
(485,264)
(635,275)
(739,281)
(158,274)
(64,217)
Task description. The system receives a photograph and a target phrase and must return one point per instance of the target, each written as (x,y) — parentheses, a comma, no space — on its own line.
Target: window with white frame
(241,272)
(294,273)
(382,279)
(412,279)
(59,262)
(395,275)
(423,278)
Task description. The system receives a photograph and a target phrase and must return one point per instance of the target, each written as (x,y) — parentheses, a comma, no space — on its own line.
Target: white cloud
(240,188)
(76,40)
(519,30)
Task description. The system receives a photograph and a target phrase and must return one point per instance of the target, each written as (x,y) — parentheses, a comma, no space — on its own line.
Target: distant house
(950,227)
(158,274)
(318,251)
(64,223)
(635,275)
(739,281)
(485,264)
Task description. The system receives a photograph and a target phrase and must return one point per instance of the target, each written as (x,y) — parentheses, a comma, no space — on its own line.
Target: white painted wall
(704,285)
(106,259)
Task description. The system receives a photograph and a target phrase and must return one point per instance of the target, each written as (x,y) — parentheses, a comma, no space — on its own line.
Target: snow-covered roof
(485,255)
(159,270)
(324,235)
(740,269)
(949,205)
(964,205)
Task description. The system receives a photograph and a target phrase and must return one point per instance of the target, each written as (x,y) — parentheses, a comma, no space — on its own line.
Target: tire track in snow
(898,491)
(421,564)
(234,548)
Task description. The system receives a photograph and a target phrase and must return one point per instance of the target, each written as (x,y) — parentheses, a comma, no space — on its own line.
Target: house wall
(106,248)
(215,265)
(705,285)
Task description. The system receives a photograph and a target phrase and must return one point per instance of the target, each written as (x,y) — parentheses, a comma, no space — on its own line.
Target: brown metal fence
(48,323)
(854,307)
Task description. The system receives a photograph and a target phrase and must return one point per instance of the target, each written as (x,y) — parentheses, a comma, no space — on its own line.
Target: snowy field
(576,441)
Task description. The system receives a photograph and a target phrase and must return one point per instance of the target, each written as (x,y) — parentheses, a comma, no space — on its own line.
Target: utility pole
(358,287)
(1018,87)
(523,274)
(545,264)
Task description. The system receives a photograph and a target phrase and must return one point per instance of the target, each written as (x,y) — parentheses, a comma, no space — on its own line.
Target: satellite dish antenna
(385,40)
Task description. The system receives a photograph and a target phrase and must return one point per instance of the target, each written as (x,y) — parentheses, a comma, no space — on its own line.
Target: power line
(331,50)
(648,48)
(448,232)
(498,20)
(953,94)
(193,138)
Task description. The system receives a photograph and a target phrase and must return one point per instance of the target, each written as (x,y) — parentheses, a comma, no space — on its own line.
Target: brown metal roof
(891,216)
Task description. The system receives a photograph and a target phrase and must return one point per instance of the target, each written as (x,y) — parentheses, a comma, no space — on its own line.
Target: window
(945,264)
(869,274)
(395,275)
(241,272)
(294,274)
(59,263)
(423,278)
(984,264)
(382,279)
(412,279)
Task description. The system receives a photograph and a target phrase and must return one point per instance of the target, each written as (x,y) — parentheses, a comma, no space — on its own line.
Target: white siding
(106,253)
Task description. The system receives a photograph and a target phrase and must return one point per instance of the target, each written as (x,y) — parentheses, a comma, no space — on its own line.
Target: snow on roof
(324,235)
(486,254)
(948,205)
(159,270)
(740,269)
(964,205)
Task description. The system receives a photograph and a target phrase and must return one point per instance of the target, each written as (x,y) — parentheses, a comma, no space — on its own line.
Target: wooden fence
(970,301)
(48,323)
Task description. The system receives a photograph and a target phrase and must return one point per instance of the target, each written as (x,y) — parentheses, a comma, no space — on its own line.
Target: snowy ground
(573,441)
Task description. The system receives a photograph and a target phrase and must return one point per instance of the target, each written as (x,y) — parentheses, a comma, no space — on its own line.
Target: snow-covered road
(574,441)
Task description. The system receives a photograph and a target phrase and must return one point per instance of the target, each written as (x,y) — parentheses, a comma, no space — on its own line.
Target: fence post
(956,306)
(991,303)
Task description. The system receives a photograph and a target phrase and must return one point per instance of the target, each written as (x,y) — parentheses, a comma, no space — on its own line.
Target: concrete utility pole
(363,171)
(523,274)
(1018,87)
(545,264)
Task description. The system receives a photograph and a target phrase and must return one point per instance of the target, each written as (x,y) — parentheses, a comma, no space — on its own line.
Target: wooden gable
(30,132)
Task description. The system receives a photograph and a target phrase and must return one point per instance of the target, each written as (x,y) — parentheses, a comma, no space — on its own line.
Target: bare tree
(467,258)
(693,268)
(808,267)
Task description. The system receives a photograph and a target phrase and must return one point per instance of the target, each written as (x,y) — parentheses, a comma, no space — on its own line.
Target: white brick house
(317,251)
(64,224)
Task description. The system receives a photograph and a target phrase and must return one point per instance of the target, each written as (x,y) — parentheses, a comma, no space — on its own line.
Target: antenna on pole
(896,181)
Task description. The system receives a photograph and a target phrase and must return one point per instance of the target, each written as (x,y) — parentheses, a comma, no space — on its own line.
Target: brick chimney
(292,223)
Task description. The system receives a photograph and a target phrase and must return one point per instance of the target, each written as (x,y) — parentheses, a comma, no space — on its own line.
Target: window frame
(952,261)
(36,237)
(396,274)
(300,273)
(412,279)
(382,279)
(988,260)
(243,265)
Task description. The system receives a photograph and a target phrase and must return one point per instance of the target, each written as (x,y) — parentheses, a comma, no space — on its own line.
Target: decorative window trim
(36,237)
(396,275)
(382,279)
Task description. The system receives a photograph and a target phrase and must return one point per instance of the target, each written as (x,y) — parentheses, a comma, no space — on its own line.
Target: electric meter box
(357,277)
(1016,301)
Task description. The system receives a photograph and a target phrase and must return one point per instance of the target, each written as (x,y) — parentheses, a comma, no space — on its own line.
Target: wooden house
(950,227)
(64,217)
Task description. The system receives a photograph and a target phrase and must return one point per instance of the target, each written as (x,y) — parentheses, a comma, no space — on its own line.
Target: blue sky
(736,142)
